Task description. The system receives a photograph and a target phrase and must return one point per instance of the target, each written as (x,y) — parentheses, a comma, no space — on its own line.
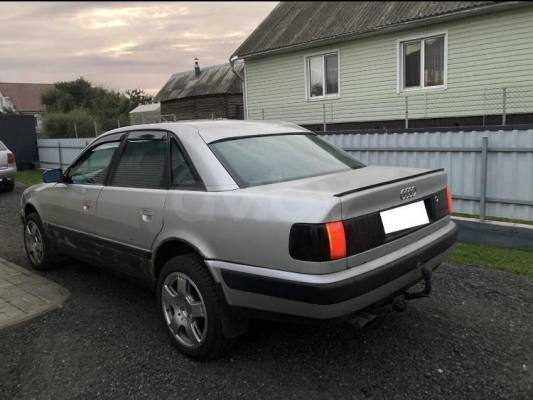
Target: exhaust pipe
(361,319)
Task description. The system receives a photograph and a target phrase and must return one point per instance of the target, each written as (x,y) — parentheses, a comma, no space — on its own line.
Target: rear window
(260,160)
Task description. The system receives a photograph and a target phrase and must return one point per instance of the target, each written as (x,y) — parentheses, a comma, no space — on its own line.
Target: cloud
(120,44)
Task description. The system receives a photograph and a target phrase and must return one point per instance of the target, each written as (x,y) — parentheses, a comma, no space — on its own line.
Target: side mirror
(53,176)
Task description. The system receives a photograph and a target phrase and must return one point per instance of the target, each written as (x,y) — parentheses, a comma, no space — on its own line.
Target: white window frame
(245,93)
(400,62)
(306,75)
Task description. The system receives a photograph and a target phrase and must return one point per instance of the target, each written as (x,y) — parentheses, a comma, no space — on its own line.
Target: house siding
(485,54)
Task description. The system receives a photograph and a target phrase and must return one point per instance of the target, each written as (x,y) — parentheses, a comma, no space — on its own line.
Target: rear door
(130,208)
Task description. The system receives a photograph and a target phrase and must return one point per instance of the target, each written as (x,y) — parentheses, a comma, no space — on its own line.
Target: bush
(61,125)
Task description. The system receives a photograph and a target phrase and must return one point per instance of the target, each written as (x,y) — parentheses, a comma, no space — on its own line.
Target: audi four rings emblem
(408,192)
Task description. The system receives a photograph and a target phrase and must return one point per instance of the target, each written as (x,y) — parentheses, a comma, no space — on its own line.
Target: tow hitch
(399,303)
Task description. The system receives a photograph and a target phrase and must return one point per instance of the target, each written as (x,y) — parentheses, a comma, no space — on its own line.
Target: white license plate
(405,217)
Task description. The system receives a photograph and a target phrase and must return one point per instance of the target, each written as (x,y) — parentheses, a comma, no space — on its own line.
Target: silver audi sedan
(8,169)
(228,220)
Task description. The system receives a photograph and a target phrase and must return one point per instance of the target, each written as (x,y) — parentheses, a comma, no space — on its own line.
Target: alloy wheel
(34,242)
(184,310)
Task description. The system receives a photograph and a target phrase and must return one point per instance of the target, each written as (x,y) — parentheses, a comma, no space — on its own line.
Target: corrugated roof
(26,97)
(146,108)
(295,23)
(217,79)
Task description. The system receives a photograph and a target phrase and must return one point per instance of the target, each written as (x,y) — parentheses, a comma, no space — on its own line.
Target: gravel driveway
(472,339)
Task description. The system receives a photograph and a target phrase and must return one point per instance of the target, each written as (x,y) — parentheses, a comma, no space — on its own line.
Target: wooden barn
(211,92)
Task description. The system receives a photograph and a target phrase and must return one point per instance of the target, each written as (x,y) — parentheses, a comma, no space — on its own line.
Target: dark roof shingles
(218,79)
(293,22)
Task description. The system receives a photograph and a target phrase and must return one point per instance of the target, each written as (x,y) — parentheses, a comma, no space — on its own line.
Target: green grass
(497,219)
(516,261)
(30,176)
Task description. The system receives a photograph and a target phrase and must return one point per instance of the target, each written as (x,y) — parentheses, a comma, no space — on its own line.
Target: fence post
(174,115)
(263,112)
(504,106)
(324,115)
(60,155)
(118,122)
(484,166)
(484,104)
(406,112)
(76,130)
(95,129)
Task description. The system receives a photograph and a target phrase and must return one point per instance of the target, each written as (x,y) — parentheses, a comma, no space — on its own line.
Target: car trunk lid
(365,190)
(384,188)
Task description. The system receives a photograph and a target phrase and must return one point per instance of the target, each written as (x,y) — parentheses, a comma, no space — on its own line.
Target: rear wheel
(39,249)
(190,307)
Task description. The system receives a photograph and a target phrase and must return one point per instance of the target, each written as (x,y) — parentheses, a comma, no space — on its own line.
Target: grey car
(8,169)
(228,220)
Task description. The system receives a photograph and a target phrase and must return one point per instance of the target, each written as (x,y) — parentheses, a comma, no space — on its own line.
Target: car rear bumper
(9,172)
(335,295)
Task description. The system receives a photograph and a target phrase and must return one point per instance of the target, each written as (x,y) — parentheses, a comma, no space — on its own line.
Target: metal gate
(18,134)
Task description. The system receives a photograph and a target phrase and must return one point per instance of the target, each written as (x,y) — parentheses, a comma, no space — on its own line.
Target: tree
(137,97)
(73,101)
(67,96)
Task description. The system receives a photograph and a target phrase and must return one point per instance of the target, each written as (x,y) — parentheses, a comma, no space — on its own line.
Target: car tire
(40,251)
(9,185)
(190,308)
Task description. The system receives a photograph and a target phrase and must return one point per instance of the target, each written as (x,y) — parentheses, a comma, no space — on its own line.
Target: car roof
(213,130)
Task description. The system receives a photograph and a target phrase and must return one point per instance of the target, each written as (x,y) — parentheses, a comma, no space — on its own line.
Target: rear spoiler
(388,182)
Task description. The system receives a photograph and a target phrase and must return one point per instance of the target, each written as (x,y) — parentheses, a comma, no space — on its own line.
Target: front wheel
(39,250)
(190,307)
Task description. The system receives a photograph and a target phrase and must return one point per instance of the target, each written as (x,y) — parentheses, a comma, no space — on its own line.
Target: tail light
(337,240)
(10,158)
(317,242)
(449,199)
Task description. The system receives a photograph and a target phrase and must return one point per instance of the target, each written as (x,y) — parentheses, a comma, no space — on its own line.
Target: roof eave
(385,29)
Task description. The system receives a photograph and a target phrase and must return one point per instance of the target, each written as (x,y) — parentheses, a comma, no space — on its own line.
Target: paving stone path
(25,295)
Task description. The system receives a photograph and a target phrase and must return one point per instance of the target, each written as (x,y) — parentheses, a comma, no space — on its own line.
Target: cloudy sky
(120,44)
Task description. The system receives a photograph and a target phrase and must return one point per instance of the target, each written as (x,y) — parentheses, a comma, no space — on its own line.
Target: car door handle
(147,214)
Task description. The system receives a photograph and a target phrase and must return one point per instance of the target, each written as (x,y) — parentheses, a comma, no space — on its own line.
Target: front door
(70,208)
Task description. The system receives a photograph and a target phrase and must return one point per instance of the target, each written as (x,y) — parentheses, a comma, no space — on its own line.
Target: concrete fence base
(495,234)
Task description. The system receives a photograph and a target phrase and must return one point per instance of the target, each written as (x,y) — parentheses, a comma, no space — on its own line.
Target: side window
(181,172)
(92,167)
(142,165)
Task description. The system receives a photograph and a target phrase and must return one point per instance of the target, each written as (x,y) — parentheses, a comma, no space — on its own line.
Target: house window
(323,75)
(423,63)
